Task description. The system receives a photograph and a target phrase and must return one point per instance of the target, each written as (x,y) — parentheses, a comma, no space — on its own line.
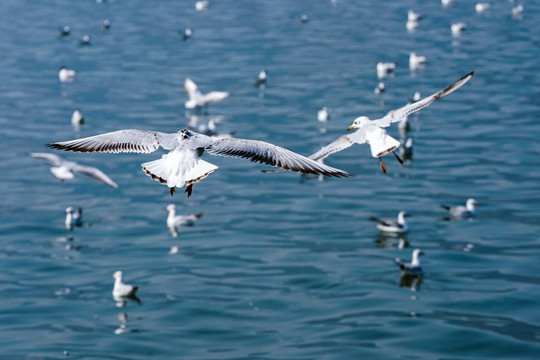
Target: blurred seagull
(198,99)
(414,268)
(186,34)
(304,19)
(65,31)
(202,5)
(174,220)
(407,150)
(73,218)
(517,11)
(411,25)
(372,132)
(323,115)
(120,289)
(457,28)
(446,2)
(391,225)
(66,75)
(481,7)
(384,68)
(77,118)
(380,88)
(412,16)
(64,169)
(260,80)
(416,61)
(183,165)
(85,40)
(469,210)
(106,25)
(416,97)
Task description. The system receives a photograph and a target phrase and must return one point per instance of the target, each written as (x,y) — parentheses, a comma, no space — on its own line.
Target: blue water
(279,267)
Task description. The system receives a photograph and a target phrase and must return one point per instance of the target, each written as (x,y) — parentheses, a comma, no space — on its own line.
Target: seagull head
(417,253)
(117,275)
(471,203)
(171,207)
(359,122)
(69,210)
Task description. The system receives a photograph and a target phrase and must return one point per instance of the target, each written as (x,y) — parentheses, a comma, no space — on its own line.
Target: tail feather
(445,207)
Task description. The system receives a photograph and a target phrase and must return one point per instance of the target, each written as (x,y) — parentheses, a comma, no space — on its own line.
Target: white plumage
(198,99)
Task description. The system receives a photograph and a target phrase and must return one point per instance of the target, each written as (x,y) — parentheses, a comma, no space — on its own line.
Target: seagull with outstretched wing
(198,99)
(183,165)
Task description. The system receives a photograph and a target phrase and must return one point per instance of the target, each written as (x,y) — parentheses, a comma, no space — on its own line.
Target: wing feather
(342,143)
(50,158)
(96,174)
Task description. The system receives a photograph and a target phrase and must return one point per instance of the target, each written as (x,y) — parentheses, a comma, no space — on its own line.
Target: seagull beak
(350,128)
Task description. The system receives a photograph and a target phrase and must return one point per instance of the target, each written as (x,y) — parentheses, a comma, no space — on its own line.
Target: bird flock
(183,166)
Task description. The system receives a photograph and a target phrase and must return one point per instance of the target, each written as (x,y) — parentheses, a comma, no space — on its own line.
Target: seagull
(384,68)
(183,165)
(416,97)
(414,268)
(457,28)
(407,150)
(202,5)
(517,11)
(77,118)
(412,16)
(416,61)
(481,7)
(198,99)
(260,80)
(380,88)
(64,169)
(390,225)
(174,220)
(304,19)
(120,289)
(469,210)
(411,25)
(446,2)
(65,31)
(73,218)
(85,40)
(323,115)
(186,34)
(106,25)
(372,132)
(66,75)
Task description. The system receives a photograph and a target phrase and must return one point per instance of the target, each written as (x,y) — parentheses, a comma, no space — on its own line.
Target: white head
(262,74)
(416,256)
(171,207)
(117,275)
(359,122)
(401,217)
(471,203)
(69,210)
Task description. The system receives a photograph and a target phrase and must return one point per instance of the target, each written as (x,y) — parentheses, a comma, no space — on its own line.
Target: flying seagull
(372,132)
(183,165)
(64,169)
(198,99)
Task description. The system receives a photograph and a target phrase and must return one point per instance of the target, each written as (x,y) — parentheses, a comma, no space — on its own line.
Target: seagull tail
(445,207)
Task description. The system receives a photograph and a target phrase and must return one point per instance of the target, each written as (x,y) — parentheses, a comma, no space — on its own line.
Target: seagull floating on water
(73,218)
(415,61)
(414,267)
(372,132)
(260,80)
(392,225)
(64,169)
(65,31)
(446,2)
(412,16)
(85,40)
(517,11)
(66,75)
(458,28)
(323,115)
(202,5)
(77,118)
(481,7)
(304,19)
(183,165)
(380,88)
(384,68)
(416,97)
(469,210)
(120,289)
(198,99)
(186,34)
(106,25)
(174,220)
(412,25)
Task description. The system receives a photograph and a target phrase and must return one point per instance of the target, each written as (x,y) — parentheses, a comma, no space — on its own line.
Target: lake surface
(280,266)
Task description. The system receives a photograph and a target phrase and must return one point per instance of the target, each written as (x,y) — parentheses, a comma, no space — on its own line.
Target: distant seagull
(174,220)
(416,61)
(416,97)
(414,267)
(202,5)
(106,25)
(260,80)
(380,88)
(85,40)
(65,31)
(384,68)
(64,169)
(323,115)
(77,118)
(66,75)
(183,165)
(372,132)
(198,99)
(412,25)
(412,16)
(446,2)
(304,19)
(73,218)
(458,28)
(469,210)
(407,149)
(392,225)
(186,34)
(517,11)
(481,7)
(120,289)
(173,250)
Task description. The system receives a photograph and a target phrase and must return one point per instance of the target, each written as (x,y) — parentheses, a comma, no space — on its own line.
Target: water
(278,267)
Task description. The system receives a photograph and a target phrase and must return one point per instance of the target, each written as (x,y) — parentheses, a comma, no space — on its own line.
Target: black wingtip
(373,218)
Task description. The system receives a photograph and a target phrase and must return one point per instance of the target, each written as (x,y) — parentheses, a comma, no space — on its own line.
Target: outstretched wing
(50,158)
(403,112)
(95,174)
(190,87)
(215,96)
(266,153)
(345,141)
(140,141)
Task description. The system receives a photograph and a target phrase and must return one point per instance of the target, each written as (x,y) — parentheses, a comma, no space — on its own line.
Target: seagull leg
(171,190)
(189,189)
(383,168)
(397,157)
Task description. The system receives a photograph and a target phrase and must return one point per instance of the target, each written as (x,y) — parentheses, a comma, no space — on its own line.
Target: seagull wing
(140,141)
(403,112)
(385,222)
(215,96)
(95,174)
(190,87)
(345,141)
(266,153)
(50,158)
